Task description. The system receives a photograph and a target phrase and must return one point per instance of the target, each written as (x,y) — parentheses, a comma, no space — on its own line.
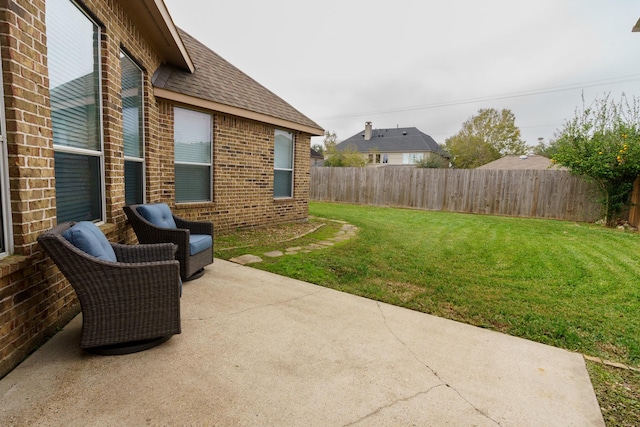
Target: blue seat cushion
(199,242)
(158,214)
(87,237)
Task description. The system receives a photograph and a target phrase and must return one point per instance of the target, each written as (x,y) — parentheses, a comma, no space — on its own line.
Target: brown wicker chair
(191,265)
(129,305)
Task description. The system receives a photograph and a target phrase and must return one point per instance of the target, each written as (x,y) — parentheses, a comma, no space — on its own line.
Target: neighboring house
(317,159)
(395,146)
(524,162)
(107,103)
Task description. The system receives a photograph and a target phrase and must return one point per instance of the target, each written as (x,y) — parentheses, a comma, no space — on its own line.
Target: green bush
(602,144)
(432,162)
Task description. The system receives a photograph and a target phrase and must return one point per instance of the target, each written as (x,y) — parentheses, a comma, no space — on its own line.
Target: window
(192,141)
(74,75)
(133,130)
(6,246)
(283,164)
(410,158)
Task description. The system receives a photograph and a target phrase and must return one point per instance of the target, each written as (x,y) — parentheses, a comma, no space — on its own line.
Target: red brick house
(107,103)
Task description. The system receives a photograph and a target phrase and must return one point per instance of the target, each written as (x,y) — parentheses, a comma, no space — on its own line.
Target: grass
(617,393)
(574,286)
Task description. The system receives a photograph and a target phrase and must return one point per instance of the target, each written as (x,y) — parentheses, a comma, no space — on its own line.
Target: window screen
(192,139)
(283,164)
(133,130)
(72,43)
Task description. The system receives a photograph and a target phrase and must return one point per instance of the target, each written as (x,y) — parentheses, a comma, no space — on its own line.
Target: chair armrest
(194,227)
(144,253)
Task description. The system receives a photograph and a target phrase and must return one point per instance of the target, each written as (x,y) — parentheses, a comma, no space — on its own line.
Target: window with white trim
(283,164)
(74,75)
(133,130)
(411,158)
(6,241)
(192,134)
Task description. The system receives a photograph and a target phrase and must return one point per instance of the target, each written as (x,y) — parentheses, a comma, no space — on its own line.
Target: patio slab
(261,349)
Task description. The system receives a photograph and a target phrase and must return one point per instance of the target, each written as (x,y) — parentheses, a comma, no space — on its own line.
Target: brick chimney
(367,131)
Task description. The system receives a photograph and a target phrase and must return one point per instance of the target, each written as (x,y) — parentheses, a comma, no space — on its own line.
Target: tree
(432,162)
(602,144)
(347,157)
(544,149)
(485,137)
(319,148)
(330,140)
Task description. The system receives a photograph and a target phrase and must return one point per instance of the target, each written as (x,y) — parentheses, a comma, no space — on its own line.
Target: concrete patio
(258,349)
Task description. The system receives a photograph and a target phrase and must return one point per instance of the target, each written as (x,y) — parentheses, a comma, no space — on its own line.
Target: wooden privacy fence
(526,193)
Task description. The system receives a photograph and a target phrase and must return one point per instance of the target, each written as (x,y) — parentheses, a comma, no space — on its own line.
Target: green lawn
(570,285)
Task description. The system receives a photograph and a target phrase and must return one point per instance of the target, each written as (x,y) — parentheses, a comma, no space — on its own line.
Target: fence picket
(526,193)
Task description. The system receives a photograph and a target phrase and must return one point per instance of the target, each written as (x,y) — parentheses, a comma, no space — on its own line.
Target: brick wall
(32,295)
(243,153)
(35,299)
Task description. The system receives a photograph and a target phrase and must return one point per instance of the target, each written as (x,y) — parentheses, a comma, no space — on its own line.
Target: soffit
(154,21)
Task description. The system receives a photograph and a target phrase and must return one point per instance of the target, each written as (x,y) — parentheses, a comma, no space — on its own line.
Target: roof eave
(152,16)
(636,28)
(235,111)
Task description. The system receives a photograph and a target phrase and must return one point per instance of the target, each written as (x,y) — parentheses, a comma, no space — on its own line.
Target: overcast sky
(426,64)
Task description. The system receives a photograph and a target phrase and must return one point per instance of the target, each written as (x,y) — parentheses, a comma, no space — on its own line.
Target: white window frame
(143,130)
(5,202)
(82,151)
(412,158)
(210,164)
(293,161)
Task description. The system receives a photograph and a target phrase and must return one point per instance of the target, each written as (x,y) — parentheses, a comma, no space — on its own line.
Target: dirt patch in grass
(618,392)
(262,236)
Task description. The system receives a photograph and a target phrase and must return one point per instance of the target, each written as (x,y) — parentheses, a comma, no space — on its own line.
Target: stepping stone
(246,259)
(273,254)
(295,249)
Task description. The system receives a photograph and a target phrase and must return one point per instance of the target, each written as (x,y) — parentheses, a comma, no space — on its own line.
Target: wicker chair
(128,305)
(175,230)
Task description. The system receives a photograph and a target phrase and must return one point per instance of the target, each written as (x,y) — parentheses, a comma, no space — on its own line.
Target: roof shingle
(400,140)
(218,81)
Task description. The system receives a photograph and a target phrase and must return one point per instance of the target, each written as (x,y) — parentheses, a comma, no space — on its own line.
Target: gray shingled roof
(400,140)
(316,155)
(216,80)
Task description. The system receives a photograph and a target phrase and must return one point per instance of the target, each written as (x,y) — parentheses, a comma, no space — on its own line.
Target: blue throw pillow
(87,237)
(199,242)
(158,214)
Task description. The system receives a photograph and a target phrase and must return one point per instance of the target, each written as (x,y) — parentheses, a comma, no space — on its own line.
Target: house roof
(316,155)
(528,162)
(217,85)
(394,140)
(153,17)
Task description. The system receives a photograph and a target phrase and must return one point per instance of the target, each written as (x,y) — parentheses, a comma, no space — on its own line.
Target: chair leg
(198,274)
(127,347)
